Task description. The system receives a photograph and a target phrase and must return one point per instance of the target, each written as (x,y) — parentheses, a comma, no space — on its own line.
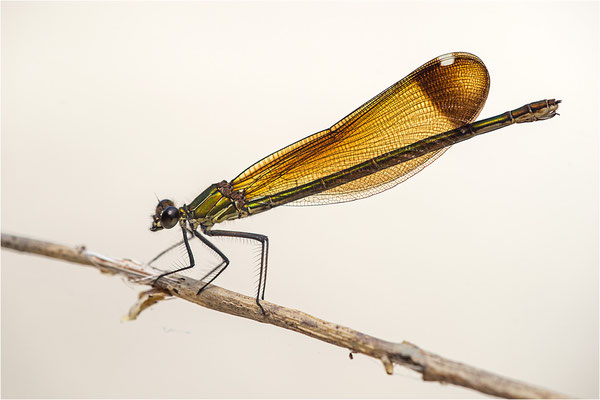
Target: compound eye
(169,217)
(162,205)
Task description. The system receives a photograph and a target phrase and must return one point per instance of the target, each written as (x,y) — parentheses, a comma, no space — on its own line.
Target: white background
(489,256)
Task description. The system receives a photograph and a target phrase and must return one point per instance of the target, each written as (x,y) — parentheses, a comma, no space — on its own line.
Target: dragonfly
(382,143)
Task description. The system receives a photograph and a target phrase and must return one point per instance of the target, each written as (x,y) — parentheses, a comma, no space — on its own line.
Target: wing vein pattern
(443,94)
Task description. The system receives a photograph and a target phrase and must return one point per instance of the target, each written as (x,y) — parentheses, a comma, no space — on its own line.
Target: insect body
(382,143)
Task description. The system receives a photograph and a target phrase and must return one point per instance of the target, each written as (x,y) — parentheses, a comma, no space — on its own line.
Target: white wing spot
(446,59)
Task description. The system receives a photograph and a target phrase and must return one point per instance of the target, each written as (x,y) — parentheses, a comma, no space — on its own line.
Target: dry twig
(431,366)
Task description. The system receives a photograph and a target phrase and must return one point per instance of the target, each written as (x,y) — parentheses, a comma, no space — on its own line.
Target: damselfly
(382,143)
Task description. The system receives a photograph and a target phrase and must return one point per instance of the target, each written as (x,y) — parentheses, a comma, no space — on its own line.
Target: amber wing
(443,94)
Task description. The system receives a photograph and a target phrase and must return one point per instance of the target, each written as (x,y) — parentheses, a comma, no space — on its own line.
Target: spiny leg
(222,265)
(264,241)
(162,253)
(190,255)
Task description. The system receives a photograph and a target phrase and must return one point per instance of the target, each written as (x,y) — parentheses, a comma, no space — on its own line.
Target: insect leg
(264,241)
(222,265)
(190,255)
(162,253)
